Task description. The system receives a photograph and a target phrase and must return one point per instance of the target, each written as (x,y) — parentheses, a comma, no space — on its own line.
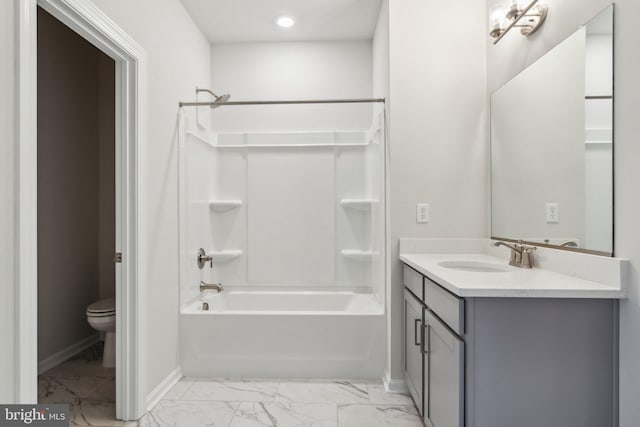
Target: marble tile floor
(285,403)
(194,402)
(87,387)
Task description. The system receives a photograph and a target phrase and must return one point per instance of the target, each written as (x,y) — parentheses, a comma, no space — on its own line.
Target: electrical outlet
(422,213)
(553,213)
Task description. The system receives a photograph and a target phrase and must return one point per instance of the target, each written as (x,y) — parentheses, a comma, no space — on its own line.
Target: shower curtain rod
(304,101)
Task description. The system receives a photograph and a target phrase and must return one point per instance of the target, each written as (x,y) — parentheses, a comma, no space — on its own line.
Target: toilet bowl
(101,315)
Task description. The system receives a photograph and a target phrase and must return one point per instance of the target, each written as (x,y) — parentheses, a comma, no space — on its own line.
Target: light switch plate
(553,213)
(422,213)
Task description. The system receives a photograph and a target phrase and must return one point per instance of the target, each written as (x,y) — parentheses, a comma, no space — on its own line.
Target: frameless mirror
(552,146)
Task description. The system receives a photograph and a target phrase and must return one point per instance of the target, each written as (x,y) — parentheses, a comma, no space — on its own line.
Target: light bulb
(497,16)
(285,22)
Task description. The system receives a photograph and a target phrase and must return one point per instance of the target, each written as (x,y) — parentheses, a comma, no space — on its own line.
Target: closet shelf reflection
(359,204)
(359,255)
(224,205)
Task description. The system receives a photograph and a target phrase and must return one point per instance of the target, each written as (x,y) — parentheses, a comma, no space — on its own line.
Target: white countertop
(516,282)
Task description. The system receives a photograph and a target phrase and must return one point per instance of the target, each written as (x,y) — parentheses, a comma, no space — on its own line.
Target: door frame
(83,17)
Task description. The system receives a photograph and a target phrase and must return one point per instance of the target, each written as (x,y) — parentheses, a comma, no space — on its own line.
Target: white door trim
(92,24)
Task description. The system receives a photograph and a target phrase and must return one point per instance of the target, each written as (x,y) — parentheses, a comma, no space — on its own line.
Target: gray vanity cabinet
(413,360)
(434,353)
(445,359)
(506,362)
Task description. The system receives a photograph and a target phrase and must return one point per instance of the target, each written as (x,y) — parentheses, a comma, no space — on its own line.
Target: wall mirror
(552,146)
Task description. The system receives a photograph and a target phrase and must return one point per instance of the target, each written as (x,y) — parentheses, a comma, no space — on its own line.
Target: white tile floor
(194,402)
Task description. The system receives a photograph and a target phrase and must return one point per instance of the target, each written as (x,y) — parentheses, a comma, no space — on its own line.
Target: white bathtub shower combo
(290,205)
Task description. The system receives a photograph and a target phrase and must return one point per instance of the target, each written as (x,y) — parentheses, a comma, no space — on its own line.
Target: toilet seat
(105,314)
(103,308)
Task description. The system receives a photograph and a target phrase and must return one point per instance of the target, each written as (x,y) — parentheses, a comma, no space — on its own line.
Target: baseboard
(66,353)
(163,388)
(395,386)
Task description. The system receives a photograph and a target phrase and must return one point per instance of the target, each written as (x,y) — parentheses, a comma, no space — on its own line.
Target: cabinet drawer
(413,280)
(445,305)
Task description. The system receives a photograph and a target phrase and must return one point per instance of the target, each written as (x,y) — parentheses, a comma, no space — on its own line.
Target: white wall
(437,131)
(380,54)
(512,55)
(380,65)
(178,60)
(297,70)
(6,202)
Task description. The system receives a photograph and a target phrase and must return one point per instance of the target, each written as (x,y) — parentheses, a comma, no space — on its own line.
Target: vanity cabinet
(509,361)
(434,353)
(413,360)
(444,356)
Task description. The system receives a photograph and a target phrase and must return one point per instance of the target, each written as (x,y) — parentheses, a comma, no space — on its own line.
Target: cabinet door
(413,360)
(445,383)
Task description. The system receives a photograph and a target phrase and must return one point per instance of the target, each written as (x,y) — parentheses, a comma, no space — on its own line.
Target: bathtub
(283,334)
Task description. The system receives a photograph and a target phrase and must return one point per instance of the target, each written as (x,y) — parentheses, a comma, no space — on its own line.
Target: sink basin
(474,266)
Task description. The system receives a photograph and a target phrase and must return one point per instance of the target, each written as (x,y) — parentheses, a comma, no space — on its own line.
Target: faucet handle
(527,258)
(515,258)
(203,258)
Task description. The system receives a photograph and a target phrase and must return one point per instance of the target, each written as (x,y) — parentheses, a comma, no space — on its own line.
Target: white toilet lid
(105,314)
(103,307)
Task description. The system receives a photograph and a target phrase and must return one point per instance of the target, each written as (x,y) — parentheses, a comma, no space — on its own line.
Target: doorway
(129,70)
(76,221)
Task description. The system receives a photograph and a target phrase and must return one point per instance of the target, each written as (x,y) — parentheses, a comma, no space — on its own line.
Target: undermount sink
(474,266)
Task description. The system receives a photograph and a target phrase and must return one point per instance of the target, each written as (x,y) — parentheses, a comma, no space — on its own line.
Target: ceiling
(229,21)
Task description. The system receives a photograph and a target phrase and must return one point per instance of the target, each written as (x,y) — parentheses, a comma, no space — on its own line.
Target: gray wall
(106,176)
(512,55)
(69,178)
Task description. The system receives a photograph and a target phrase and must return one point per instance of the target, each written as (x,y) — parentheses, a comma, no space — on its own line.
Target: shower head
(221,98)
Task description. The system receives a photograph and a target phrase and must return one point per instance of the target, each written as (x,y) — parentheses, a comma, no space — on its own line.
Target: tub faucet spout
(211,286)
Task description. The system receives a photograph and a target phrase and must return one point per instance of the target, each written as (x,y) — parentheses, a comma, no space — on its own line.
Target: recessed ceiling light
(285,22)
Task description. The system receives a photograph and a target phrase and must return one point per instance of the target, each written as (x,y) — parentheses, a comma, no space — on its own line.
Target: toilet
(101,315)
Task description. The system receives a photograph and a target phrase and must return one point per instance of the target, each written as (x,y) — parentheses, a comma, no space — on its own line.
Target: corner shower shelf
(226,255)
(224,205)
(358,255)
(359,204)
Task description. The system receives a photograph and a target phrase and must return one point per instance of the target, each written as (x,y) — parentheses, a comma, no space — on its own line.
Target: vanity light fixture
(527,15)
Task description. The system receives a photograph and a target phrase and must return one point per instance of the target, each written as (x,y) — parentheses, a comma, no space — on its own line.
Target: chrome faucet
(520,254)
(211,286)
(569,243)
(203,259)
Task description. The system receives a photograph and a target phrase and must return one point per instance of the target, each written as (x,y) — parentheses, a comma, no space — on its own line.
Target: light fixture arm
(536,18)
